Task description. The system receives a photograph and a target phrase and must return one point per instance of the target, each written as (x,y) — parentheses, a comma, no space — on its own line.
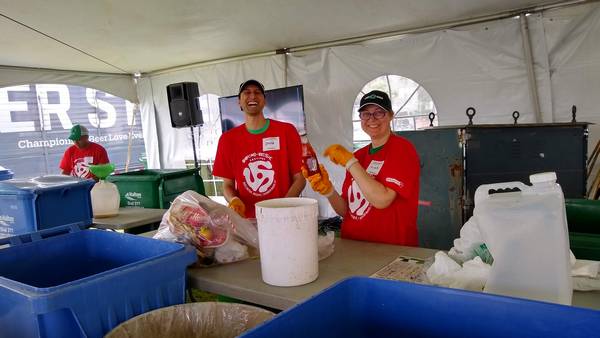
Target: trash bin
(368,307)
(5,174)
(69,282)
(44,202)
(583,215)
(155,188)
(201,320)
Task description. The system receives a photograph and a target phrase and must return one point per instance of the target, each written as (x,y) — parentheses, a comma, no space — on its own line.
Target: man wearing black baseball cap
(261,159)
(380,193)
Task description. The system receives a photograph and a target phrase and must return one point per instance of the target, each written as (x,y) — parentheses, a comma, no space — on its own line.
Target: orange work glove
(238,206)
(340,156)
(319,182)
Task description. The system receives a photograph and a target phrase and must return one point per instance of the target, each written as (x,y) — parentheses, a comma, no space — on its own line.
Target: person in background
(380,193)
(260,159)
(81,154)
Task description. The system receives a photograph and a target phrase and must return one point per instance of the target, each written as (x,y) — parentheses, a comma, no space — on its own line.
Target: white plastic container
(105,199)
(526,233)
(287,237)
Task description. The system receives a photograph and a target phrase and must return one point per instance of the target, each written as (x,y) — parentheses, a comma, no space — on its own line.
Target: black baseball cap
(378,98)
(251,82)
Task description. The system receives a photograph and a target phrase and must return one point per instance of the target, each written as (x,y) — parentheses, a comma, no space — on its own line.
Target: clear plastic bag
(219,234)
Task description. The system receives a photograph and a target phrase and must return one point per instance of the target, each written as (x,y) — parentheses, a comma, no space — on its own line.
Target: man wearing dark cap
(380,193)
(81,154)
(260,159)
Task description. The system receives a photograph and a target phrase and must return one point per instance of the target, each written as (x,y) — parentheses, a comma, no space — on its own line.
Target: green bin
(154,188)
(583,215)
(585,246)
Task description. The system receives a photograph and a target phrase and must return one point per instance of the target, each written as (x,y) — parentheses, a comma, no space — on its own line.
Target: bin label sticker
(133,198)
(271,143)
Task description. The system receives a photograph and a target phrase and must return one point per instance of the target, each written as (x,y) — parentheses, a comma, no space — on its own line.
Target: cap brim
(375,104)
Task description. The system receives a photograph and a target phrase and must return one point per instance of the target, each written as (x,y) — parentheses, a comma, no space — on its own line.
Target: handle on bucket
(485,190)
(38,235)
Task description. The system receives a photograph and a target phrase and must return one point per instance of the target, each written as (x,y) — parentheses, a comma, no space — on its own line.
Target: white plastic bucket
(526,233)
(287,237)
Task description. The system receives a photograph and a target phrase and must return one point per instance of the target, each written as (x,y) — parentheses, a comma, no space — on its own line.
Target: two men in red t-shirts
(261,159)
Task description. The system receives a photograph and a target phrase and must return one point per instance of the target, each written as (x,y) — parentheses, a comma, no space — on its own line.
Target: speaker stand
(194,147)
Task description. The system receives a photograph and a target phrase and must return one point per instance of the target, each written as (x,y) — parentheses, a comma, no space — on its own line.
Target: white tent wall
(222,79)
(116,84)
(573,40)
(481,65)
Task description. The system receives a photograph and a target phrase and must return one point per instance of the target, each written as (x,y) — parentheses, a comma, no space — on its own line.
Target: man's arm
(229,189)
(298,183)
(64,172)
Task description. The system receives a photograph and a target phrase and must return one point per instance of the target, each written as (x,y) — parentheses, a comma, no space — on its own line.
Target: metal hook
(470,116)
(431,118)
(573,113)
(515,116)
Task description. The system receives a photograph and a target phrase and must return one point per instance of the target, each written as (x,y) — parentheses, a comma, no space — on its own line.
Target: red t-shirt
(396,166)
(77,161)
(262,165)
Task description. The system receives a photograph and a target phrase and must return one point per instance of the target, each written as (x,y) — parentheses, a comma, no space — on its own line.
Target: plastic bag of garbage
(219,234)
(202,320)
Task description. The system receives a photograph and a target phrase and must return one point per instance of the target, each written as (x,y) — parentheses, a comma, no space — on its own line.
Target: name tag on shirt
(375,167)
(270,143)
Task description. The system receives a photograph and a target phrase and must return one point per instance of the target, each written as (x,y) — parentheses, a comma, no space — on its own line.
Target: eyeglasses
(379,114)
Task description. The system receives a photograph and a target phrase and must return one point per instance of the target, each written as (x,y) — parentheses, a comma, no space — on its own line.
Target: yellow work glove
(340,156)
(238,206)
(319,182)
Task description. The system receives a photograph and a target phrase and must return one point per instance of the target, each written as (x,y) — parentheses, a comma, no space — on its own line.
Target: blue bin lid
(18,187)
(40,184)
(5,174)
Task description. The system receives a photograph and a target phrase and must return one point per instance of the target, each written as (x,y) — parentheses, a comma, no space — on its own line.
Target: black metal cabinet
(505,153)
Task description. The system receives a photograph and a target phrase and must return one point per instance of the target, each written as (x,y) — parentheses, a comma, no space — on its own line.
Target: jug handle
(483,191)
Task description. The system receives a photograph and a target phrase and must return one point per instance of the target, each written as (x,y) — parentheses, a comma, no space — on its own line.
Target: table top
(130,218)
(242,280)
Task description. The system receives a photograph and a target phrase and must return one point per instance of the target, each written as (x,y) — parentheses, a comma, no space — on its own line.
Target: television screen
(283,104)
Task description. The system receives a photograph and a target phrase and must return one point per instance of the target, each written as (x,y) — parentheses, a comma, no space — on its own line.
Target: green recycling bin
(585,245)
(583,215)
(155,188)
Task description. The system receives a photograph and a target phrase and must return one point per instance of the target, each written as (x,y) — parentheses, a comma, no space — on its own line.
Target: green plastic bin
(153,188)
(585,246)
(583,215)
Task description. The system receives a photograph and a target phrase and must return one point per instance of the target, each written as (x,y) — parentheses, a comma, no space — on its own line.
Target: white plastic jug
(527,235)
(105,199)
(287,239)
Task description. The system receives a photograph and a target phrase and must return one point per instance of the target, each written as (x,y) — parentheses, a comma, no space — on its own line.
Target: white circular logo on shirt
(358,204)
(259,176)
(81,167)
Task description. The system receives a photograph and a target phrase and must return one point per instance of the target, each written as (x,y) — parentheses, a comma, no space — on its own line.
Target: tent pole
(533,89)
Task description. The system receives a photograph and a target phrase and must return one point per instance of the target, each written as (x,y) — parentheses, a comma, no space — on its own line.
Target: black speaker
(184,105)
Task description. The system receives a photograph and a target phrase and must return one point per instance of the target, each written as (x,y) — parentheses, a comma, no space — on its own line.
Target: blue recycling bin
(367,307)
(42,203)
(5,174)
(67,282)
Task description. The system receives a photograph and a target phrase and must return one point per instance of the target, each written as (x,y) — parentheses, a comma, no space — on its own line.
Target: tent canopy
(147,35)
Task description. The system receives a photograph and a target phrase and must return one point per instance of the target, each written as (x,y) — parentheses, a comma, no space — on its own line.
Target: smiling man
(259,160)
(380,193)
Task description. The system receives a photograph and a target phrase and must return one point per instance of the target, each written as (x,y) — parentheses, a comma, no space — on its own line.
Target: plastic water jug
(525,230)
(105,199)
